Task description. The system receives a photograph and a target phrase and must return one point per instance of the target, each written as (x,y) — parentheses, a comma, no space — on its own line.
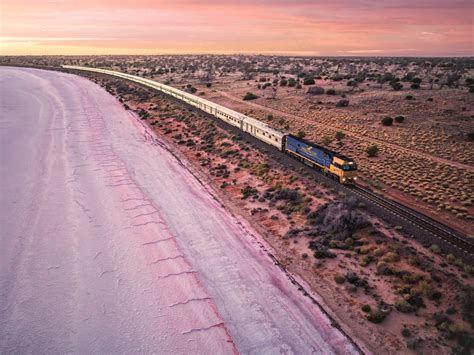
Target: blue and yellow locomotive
(329,162)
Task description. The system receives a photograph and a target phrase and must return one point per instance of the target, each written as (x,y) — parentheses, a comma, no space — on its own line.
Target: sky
(294,27)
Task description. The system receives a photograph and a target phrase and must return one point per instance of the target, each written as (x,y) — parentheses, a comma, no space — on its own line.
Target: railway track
(421,221)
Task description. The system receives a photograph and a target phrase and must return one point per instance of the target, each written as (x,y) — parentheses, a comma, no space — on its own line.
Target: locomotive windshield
(349,166)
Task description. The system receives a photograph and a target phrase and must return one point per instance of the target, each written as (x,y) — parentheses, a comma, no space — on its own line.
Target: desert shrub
(391,257)
(191,89)
(405,332)
(315,90)
(308,81)
(372,150)
(338,219)
(291,82)
(342,103)
(470,136)
(300,134)
(340,135)
(405,307)
(396,86)
(387,121)
(247,191)
(144,115)
(293,196)
(379,252)
(208,85)
(384,269)
(376,316)
(471,89)
(283,82)
(261,169)
(331,92)
(399,119)
(339,279)
(298,86)
(366,308)
(320,251)
(250,96)
(409,97)
(415,86)
(435,249)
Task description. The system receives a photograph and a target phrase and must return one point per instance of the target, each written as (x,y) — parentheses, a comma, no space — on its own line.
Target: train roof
(264,126)
(327,151)
(236,114)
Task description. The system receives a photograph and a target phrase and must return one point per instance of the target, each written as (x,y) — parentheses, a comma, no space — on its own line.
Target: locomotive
(331,163)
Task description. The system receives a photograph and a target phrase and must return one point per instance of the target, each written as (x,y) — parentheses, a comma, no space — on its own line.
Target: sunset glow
(339,27)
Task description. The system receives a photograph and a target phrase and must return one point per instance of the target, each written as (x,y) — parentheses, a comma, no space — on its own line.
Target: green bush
(376,316)
(308,81)
(405,332)
(250,96)
(331,92)
(301,134)
(399,119)
(396,86)
(387,121)
(405,307)
(339,279)
(372,150)
(435,249)
(340,135)
(366,308)
(247,191)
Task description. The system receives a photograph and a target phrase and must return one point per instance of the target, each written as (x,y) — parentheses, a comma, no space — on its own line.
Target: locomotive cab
(345,169)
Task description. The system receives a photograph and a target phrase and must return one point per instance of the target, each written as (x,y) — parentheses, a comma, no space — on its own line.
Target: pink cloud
(323,27)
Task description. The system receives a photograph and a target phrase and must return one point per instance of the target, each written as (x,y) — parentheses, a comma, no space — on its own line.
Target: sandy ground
(109,244)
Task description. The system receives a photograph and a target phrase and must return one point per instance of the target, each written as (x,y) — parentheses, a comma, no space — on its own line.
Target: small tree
(396,86)
(387,121)
(340,135)
(372,150)
(250,96)
(342,103)
(399,119)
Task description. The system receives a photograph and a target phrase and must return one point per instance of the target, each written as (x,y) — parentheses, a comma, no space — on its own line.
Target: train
(333,164)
